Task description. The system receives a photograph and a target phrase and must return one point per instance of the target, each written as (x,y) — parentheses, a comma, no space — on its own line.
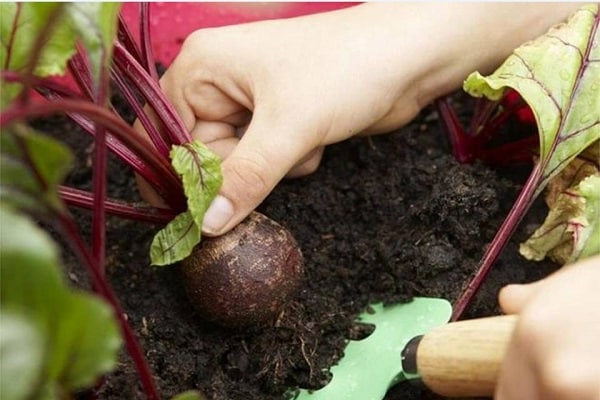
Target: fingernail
(218,214)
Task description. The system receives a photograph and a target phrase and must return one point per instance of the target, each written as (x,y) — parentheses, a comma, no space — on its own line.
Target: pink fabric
(171,23)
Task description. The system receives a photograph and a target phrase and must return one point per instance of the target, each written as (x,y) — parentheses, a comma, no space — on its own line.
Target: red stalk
(146,40)
(124,36)
(154,134)
(171,191)
(470,145)
(503,235)
(173,127)
(459,140)
(99,185)
(84,199)
(99,179)
(81,72)
(54,91)
(102,287)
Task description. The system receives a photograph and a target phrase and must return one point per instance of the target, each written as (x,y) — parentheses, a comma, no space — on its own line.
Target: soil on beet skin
(383,219)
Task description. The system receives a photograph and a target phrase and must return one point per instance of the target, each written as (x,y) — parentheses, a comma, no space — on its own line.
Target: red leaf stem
(459,141)
(151,129)
(13,34)
(173,126)
(126,38)
(101,286)
(484,109)
(170,190)
(80,70)
(503,235)
(145,39)
(83,199)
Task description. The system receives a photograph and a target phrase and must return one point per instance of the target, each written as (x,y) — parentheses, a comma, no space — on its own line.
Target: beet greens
(90,43)
(566,107)
(40,40)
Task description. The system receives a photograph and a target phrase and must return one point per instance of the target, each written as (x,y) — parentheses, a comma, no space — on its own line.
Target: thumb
(513,298)
(263,156)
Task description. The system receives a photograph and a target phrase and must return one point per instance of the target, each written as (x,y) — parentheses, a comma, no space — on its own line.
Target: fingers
(516,369)
(553,354)
(264,155)
(513,298)
(308,164)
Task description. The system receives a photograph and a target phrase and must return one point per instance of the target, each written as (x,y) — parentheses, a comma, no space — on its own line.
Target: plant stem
(80,70)
(470,144)
(170,190)
(173,126)
(84,199)
(102,287)
(66,224)
(99,172)
(99,184)
(145,40)
(157,139)
(54,91)
(459,141)
(124,36)
(518,152)
(503,235)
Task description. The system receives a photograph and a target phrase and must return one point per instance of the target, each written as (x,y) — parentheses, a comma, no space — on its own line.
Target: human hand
(554,353)
(268,96)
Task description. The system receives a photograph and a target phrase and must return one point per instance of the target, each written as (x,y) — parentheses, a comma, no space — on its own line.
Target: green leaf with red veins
(80,337)
(32,165)
(175,241)
(200,171)
(94,24)
(572,228)
(588,239)
(558,75)
(20,26)
(96,27)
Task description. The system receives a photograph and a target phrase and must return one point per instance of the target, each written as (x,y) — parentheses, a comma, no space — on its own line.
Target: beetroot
(246,276)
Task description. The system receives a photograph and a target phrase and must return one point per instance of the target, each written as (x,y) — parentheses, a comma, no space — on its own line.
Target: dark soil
(383,219)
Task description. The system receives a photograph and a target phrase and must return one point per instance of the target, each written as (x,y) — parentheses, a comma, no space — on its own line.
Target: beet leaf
(43,40)
(200,171)
(95,24)
(21,24)
(31,168)
(558,75)
(75,336)
(572,228)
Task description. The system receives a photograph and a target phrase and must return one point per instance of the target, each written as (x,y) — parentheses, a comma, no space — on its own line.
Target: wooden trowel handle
(461,359)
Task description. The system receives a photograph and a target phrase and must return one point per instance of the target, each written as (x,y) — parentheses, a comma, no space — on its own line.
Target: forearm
(451,40)
(481,36)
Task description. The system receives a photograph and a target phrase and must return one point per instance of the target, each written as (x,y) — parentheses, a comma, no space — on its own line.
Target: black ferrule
(409,356)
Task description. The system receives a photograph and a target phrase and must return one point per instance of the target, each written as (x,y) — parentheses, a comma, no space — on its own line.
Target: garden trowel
(413,341)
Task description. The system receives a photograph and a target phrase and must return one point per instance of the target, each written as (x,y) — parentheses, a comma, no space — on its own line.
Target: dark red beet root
(246,276)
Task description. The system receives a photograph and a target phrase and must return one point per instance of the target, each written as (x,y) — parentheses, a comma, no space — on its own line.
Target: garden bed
(383,219)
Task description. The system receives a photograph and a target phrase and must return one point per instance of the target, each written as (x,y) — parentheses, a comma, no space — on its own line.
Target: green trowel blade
(372,365)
